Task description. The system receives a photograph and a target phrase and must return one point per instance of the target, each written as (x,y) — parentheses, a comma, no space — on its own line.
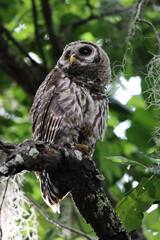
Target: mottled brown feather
(71,105)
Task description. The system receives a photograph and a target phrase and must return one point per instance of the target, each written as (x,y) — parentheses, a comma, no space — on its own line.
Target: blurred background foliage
(32,36)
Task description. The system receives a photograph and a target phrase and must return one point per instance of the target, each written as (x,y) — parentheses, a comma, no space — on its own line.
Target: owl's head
(85,61)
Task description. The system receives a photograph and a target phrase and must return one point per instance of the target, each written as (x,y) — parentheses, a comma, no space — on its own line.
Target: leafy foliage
(133,51)
(138,201)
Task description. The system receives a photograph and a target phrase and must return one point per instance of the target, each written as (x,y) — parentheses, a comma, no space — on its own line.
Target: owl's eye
(85,51)
(67,55)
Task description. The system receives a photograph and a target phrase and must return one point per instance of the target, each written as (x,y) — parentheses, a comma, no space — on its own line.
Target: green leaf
(127,2)
(151,220)
(137,102)
(131,208)
(125,161)
(152,236)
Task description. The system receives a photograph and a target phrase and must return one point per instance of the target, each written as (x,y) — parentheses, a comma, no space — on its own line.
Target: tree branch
(28,76)
(75,171)
(56,49)
(40,47)
(2,201)
(17,44)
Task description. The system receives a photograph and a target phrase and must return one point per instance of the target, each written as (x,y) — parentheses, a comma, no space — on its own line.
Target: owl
(71,106)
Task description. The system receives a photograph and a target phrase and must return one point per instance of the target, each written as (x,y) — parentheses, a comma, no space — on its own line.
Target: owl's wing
(52,120)
(47,116)
(46,112)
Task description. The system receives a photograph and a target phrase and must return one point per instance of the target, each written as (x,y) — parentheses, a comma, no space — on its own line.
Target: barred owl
(71,106)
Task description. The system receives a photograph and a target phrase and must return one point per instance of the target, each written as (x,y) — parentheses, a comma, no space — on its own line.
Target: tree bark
(77,171)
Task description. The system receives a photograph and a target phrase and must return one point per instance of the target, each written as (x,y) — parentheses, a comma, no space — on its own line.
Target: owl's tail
(50,192)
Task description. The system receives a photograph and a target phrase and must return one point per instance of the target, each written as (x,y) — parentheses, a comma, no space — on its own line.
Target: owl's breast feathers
(65,111)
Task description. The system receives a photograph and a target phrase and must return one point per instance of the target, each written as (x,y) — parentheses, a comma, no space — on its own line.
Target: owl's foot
(81,147)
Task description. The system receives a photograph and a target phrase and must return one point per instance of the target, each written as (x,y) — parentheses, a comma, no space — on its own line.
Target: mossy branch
(74,168)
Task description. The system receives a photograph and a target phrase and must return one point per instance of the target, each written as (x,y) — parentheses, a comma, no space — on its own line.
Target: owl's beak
(73,58)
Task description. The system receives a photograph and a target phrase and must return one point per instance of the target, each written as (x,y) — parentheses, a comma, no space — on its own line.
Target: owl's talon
(82,147)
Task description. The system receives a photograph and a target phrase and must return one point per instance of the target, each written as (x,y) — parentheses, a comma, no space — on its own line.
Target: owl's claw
(83,147)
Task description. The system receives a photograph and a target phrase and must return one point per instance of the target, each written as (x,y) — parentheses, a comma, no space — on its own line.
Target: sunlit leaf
(125,161)
(131,208)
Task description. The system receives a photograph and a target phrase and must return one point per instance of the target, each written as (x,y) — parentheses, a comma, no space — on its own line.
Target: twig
(49,218)
(75,216)
(56,50)
(17,44)
(154,29)
(131,32)
(4,194)
(28,76)
(40,47)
